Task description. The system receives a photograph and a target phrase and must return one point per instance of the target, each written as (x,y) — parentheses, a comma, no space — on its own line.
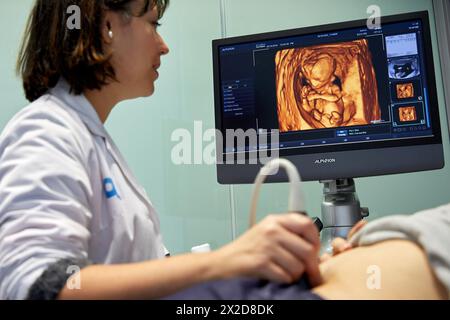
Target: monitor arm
(341,210)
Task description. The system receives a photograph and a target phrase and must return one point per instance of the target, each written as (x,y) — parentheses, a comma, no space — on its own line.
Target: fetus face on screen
(321,96)
(326,86)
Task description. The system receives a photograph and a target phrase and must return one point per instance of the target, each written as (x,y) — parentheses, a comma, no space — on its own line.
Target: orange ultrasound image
(405,90)
(407,114)
(326,86)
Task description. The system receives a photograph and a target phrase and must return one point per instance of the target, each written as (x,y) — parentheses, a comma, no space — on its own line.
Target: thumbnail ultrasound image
(407,114)
(403,68)
(405,90)
(326,86)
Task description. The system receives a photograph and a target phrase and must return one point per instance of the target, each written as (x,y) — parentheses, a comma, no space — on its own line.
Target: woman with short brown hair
(69,201)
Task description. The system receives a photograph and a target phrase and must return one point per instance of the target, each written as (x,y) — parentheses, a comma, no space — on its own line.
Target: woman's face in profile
(137,48)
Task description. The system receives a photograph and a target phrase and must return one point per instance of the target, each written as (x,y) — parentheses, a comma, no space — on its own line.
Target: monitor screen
(329,93)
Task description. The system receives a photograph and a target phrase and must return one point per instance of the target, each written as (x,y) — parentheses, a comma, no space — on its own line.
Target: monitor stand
(341,210)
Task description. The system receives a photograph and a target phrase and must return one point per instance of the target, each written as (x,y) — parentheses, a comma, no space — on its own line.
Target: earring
(110,34)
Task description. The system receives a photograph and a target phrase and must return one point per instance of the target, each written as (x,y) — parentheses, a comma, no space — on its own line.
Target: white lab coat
(67,192)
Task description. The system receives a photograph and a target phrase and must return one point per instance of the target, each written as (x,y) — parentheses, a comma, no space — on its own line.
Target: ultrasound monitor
(343,100)
(348,100)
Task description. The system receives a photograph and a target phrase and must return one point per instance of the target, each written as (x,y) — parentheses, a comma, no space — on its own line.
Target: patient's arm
(404,273)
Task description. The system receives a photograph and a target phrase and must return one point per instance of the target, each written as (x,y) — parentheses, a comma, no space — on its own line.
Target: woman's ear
(107,28)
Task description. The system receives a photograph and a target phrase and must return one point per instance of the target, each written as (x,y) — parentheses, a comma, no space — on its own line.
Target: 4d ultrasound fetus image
(407,114)
(405,90)
(326,86)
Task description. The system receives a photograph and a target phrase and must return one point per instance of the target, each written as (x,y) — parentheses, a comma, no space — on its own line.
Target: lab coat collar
(89,116)
(81,105)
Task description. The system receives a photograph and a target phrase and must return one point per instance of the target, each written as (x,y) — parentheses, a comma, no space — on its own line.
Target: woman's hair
(50,50)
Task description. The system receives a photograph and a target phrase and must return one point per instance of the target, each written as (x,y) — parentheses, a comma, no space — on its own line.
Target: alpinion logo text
(324,161)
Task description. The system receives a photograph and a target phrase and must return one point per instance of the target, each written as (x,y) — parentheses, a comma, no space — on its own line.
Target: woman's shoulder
(48,120)
(47,108)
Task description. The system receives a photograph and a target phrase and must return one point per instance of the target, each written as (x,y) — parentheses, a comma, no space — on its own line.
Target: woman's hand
(340,245)
(280,248)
